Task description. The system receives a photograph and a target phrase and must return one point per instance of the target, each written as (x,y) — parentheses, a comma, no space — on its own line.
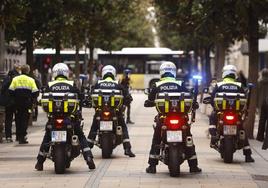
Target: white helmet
(60,69)
(229,69)
(168,67)
(108,69)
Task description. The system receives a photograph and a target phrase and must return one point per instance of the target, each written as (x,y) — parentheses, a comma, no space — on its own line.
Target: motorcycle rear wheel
(173,161)
(106,145)
(59,158)
(228,149)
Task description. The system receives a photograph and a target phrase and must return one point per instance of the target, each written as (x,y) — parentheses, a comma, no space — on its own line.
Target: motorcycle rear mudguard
(180,149)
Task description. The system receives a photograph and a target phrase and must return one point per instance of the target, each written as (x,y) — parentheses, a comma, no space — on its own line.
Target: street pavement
(17,161)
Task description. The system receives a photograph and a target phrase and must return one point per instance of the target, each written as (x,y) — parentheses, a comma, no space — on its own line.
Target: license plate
(174,136)
(58,136)
(106,125)
(229,130)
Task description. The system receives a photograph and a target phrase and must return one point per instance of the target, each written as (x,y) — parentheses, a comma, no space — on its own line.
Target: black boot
(39,166)
(249,159)
(151,169)
(130,122)
(90,163)
(129,152)
(195,169)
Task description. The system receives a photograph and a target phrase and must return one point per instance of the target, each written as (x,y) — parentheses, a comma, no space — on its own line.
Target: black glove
(149,103)
(195,105)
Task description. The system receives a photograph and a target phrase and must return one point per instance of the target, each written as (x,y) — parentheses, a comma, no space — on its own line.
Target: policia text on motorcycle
(61,84)
(228,86)
(168,84)
(108,82)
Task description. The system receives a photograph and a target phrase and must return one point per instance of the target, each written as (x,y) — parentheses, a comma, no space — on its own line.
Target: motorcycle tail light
(59,123)
(174,121)
(106,115)
(230,118)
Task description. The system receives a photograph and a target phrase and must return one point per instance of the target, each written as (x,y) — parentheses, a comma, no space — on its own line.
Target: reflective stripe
(166,106)
(107,91)
(229,81)
(42,153)
(175,94)
(237,104)
(212,126)
(91,141)
(246,147)
(154,156)
(182,106)
(229,94)
(23,82)
(193,157)
(126,140)
(60,80)
(224,104)
(108,79)
(59,94)
(86,149)
(168,80)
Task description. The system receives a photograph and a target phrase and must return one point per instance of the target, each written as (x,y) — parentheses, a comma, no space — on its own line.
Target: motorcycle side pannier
(60,102)
(174,102)
(230,101)
(107,97)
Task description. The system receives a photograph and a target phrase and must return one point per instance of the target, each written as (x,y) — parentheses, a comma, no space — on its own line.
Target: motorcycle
(107,104)
(64,144)
(174,110)
(231,112)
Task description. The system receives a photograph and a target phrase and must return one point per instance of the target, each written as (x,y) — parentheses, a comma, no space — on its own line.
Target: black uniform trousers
(155,149)
(263,123)
(9,114)
(121,120)
(213,132)
(128,111)
(22,114)
(44,148)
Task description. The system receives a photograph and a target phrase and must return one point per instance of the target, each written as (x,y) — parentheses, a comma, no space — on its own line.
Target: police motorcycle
(176,115)
(231,109)
(64,144)
(107,103)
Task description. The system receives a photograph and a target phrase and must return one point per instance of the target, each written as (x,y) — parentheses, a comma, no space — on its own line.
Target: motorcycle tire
(173,161)
(59,158)
(67,164)
(106,145)
(228,149)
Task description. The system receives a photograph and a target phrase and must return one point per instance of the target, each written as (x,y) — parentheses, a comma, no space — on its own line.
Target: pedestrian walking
(262,100)
(8,102)
(24,90)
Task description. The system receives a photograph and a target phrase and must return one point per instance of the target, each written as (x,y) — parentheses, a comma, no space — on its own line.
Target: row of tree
(205,25)
(106,24)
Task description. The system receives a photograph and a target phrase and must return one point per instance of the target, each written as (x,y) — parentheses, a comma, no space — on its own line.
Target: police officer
(24,91)
(126,84)
(169,84)
(10,107)
(61,84)
(108,82)
(229,75)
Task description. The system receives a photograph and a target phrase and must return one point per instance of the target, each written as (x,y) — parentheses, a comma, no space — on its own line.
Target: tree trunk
(219,59)
(77,66)
(253,69)
(2,49)
(91,64)
(58,48)
(29,49)
(207,66)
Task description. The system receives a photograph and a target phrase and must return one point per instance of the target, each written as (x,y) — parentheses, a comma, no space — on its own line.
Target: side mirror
(207,100)
(43,89)
(250,85)
(147,91)
(205,90)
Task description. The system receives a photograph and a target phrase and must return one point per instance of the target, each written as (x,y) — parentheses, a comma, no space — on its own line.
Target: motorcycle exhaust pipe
(119,130)
(75,141)
(242,135)
(189,141)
